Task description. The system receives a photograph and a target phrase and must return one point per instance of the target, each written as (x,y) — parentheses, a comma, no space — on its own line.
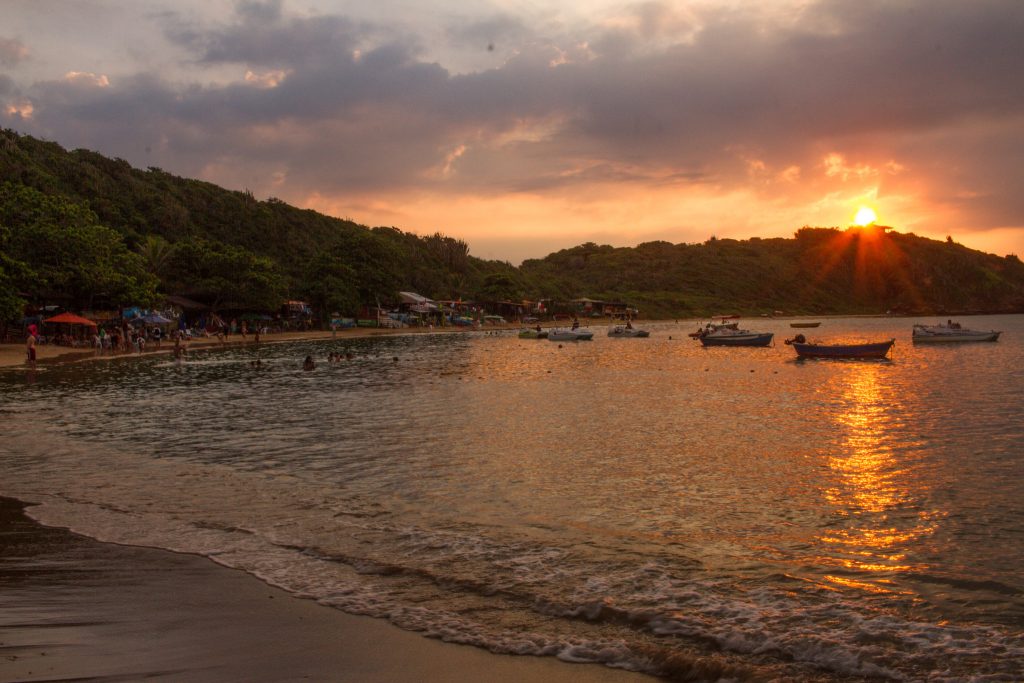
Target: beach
(13,355)
(75,608)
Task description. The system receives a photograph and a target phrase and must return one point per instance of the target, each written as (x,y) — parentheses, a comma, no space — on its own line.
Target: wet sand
(72,608)
(13,355)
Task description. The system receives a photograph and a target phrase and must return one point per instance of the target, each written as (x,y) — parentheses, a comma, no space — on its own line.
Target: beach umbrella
(70,319)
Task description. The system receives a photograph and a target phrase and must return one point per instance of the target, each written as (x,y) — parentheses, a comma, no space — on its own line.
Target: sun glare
(865,216)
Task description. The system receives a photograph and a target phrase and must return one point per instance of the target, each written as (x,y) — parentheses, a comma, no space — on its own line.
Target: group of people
(127,338)
(332,357)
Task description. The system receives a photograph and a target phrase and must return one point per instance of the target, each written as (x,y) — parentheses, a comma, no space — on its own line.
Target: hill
(89,231)
(818,271)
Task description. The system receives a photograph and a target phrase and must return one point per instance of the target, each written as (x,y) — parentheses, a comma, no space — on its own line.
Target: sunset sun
(865,216)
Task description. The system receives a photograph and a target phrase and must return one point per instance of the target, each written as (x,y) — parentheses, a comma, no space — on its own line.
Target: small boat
(952,332)
(530,333)
(567,334)
(804,324)
(712,326)
(871,350)
(622,332)
(724,336)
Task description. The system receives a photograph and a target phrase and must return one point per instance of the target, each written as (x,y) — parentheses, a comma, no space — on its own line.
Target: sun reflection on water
(877,498)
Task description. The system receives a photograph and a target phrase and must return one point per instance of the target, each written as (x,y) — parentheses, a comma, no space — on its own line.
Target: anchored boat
(566,334)
(952,332)
(528,333)
(870,350)
(623,331)
(724,336)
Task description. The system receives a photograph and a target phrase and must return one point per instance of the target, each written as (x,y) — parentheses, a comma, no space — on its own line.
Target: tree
(500,287)
(12,306)
(329,285)
(220,274)
(156,254)
(374,262)
(67,254)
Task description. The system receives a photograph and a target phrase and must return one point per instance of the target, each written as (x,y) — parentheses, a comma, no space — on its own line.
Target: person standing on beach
(30,346)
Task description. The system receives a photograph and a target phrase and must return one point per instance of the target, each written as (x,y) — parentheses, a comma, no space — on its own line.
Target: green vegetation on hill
(87,231)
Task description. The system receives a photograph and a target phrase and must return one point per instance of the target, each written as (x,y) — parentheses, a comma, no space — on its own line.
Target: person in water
(308,364)
(30,346)
(575,323)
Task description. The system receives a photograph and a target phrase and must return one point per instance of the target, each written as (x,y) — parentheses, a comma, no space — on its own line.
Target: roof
(186,303)
(413,298)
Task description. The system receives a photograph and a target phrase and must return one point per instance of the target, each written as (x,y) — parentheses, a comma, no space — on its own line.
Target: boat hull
(802,325)
(954,338)
(622,333)
(738,340)
(875,350)
(570,335)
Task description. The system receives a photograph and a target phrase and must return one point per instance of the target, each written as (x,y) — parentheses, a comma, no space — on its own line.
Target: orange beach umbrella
(70,319)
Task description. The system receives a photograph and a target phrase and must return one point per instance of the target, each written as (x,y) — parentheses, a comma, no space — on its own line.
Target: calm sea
(700,513)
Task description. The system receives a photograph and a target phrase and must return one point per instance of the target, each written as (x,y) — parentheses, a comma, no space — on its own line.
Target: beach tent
(156,319)
(69,319)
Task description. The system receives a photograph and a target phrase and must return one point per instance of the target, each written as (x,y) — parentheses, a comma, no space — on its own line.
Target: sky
(524,127)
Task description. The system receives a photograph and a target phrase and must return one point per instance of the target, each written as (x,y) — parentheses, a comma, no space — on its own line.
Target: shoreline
(13,355)
(77,608)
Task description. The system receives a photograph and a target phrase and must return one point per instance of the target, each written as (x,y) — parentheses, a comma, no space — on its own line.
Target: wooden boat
(804,324)
(566,334)
(724,336)
(871,350)
(951,333)
(529,333)
(623,332)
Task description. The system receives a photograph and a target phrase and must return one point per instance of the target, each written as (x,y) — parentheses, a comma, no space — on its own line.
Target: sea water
(703,514)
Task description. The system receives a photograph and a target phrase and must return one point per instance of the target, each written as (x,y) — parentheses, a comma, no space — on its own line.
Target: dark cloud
(343,105)
(499,32)
(12,51)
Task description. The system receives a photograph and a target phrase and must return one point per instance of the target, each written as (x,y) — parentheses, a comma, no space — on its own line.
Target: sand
(75,608)
(13,355)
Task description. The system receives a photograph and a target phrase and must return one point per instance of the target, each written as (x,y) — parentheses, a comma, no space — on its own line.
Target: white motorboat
(623,332)
(952,332)
(567,334)
(723,336)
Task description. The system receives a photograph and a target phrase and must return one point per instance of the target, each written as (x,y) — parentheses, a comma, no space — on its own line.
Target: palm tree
(156,252)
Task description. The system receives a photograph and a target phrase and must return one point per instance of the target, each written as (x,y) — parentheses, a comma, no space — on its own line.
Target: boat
(869,350)
(623,332)
(804,324)
(725,336)
(952,332)
(567,334)
(530,333)
(712,326)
